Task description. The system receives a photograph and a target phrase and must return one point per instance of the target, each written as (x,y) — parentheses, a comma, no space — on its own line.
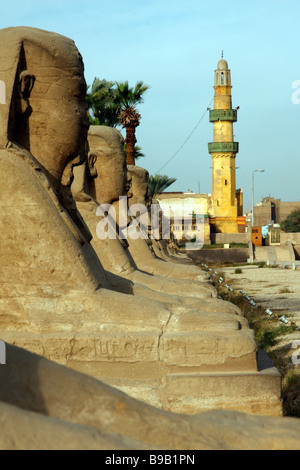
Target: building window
(225,182)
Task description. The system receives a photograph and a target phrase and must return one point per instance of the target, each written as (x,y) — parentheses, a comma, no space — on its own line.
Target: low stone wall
(220,255)
(293,237)
(222,238)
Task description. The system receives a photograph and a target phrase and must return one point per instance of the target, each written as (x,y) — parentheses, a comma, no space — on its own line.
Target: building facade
(187,212)
(273,211)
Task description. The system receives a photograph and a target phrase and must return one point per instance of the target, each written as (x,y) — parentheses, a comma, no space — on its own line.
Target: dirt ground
(275,289)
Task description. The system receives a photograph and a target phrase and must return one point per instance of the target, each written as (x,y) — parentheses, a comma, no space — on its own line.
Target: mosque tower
(226,200)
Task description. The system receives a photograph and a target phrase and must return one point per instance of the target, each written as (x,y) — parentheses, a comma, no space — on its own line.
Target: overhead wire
(187,139)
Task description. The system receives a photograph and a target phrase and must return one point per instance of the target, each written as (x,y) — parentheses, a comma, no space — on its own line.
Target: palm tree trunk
(130,143)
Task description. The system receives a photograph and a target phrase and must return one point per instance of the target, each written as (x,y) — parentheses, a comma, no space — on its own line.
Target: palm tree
(114,103)
(159,183)
(101,99)
(127,98)
(137,151)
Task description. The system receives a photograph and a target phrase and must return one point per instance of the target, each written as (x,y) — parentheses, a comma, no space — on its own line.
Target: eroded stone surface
(41,401)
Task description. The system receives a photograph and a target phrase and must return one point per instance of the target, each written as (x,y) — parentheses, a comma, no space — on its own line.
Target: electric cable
(187,139)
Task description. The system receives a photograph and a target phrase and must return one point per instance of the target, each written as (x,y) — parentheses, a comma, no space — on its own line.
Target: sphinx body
(151,254)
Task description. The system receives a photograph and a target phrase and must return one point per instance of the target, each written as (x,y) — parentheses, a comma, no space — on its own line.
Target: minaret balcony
(222,115)
(219,147)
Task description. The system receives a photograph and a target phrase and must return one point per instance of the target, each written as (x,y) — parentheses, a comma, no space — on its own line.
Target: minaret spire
(223,150)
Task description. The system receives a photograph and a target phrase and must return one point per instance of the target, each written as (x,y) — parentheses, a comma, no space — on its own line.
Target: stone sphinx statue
(56,298)
(161,247)
(153,255)
(43,132)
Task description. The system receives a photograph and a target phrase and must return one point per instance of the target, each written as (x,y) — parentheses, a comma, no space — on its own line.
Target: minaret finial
(222,54)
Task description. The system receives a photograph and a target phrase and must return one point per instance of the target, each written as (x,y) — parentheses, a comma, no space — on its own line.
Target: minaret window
(222,78)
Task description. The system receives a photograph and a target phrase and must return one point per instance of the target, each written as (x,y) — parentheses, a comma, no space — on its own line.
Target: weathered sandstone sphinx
(151,254)
(44,406)
(55,296)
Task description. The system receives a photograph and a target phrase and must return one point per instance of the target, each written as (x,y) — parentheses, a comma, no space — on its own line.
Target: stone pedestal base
(152,374)
(254,393)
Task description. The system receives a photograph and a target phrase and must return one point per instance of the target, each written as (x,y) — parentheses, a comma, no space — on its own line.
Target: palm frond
(158,183)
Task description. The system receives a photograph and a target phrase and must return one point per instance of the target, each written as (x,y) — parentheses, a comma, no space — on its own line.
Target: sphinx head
(46,110)
(108,178)
(139,188)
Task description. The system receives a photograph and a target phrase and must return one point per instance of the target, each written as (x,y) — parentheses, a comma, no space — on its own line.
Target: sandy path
(276,289)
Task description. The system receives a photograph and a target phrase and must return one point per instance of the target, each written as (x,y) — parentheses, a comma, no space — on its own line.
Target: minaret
(226,202)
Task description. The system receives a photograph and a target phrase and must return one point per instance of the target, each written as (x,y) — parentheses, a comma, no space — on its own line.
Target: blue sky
(174,47)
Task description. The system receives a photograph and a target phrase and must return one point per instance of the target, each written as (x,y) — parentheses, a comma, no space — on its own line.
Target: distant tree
(137,151)
(292,222)
(101,99)
(113,104)
(159,183)
(127,98)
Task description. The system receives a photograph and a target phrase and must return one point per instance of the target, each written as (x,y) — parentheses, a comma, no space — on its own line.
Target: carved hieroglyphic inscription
(117,347)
